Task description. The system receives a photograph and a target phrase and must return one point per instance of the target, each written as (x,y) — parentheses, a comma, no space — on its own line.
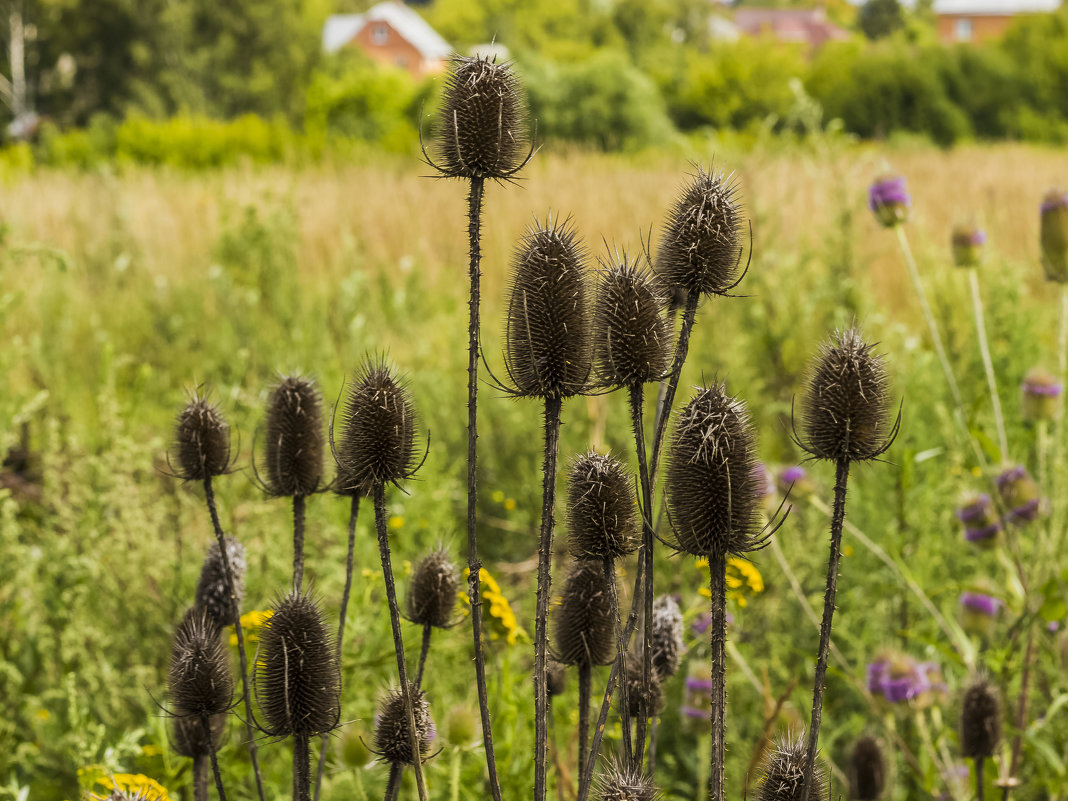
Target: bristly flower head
(620,783)
(783,774)
(583,626)
(631,336)
(713,495)
(980,519)
(377,444)
(200,681)
(979,612)
(889,200)
(1020,494)
(547,328)
(867,770)
(1054,235)
(968,241)
(481,126)
(701,246)
(393,740)
(980,720)
(601,514)
(297,680)
(213,592)
(666,636)
(294,452)
(189,738)
(201,441)
(432,591)
(845,412)
(1041,394)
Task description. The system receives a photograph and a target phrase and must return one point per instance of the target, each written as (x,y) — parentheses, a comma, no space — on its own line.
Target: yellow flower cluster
(743,580)
(251,623)
(136,785)
(501,617)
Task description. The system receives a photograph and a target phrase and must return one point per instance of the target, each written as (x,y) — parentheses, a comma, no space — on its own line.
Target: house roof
(340,29)
(809,25)
(995,7)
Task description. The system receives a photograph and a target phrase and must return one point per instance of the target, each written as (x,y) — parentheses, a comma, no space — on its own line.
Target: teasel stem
(661,390)
(253,749)
(398,642)
(393,783)
(206,723)
(841,480)
(637,403)
(654,732)
(545,553)
(621,657)
(585,676)
(201,777)
(423,651)
(1021,709)
(717,566)
(979,788)
(682,348)
(988,365)
(298,542)
(301,768)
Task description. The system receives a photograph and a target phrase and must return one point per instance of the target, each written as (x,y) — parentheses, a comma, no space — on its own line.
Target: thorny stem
(841,479)
(988,365)
(646,508)
(1021,710)
(253,749)
(206,723)
(423,651)
(717,566)
(545,552)
(298,542)
(980,790)
(393,781)
(621,658)
(585,675)
(682,348)
(398,642)
(301,768)
(201,777)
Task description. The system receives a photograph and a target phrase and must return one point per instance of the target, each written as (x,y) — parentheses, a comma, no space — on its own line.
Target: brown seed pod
(783,774)
(619,783)
(631,336)
(199,681)
(845,411)
(201,441)
(432,592)
(392,733)
(980,720)
(602,516)
(547,329)
(584,629)
(667,644)
(213,593)
(293,462)
(189,738)
(867,770)
(713,494)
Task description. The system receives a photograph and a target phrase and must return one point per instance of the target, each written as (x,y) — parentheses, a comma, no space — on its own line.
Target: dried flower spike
(631,335)
(1053,235)
(433,590)
(867,770)
(200,681)
(201,441)
(393,736)
(784,774)
(619,783)
(666,636)
(294,453)
(980,721)
(213,594)
(584,632)
(601,514)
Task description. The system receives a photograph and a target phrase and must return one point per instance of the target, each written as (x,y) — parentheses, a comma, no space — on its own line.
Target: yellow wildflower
(396,521)
(498,497)
(501,618)
(135,783)
(251,623)
(151,750)
(743,579)
(43,715)
(510,504)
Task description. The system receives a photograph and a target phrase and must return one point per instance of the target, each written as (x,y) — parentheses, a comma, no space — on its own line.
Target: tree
(879,18)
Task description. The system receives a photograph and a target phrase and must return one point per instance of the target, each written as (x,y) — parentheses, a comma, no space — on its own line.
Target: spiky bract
(201,441)
(701,248)
(980,720)
(482,121)
(432,592)
(392,732)
(666,642)
(213,592)
(547,328)
(602,516)
(199,681)
(631,335)
(846,411)
(584,628)
(867,770)
(189,737)
(619,783)
(783,774)
(298,684)
(293,462)
(713,494)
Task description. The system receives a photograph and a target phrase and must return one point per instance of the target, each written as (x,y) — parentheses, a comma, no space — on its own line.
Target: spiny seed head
(392,733)
(619,783)
(845,411)
(638,693)
(666,636)
(213,592)
(556,677)
(200,681)
(378,440)
(482,123)
(601,513)
(980,720)
(713,494)
(298,684)
(547,328)
(783,773)
(189,737)
(201,441)
(584,632)
(433,590)
(631,336)
(701,246)
(294,454)
(867,771)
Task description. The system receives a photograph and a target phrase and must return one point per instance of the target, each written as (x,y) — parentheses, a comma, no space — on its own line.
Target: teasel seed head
(481,126)
(555,677)
(620,783)
(213,593)
(631,336)
(980,720)
(584,629)
(845,411)
(392,733)
(666,636)
(547,327)
(189,738)
(783,773)
(432,592)
(377,443)
(701,245)
(867,770)
(201,441)
(602,516)
(713,495)
(199,681)
(294,454)
(639,696)
(967,242)
(297,680)
(1053,235)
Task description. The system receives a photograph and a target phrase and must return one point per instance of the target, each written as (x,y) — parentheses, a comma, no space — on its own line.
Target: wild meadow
(126,292)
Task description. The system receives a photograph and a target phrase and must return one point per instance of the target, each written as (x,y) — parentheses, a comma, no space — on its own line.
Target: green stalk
(988,365)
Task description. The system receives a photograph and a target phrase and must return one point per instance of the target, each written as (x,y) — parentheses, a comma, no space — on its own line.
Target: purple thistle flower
(967,242)
(981,524)
(976,509)
(900,678)
(793,474)
(978,602)
(1020,494)
(1040,394)
(889,200)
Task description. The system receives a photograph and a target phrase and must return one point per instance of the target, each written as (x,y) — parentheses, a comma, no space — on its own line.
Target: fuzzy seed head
(631,336)
(619,783)
(482,123)
(199,681)
(845,411)
(713,493)
(189,737)
(980,720)
(433,590)
(555,677)
(637,692)
(701,246)
(584,629)
(601,513)
(213,593)
(392,733)
(201,441)
(666,636)
(294,453)
(783,773)
(297,681)
(867,771)
(547,328)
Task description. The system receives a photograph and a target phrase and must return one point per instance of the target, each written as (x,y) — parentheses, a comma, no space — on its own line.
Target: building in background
(808,26)
(979,20)
(389,33)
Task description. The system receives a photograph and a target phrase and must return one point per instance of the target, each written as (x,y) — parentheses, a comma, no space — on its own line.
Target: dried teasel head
(846,411)
(667,644)
(980,720)
(631,336)
(713,495)
(201,441)
(297,680)
(293,462)
(867,770)
(199,681)
(189,738)
(783,774)
(377,444)
(701,245)
(602,517)
(583,626)
(620,783)
(481,126)
(547,327)
(393,734)
(213,591)
(432,592)
(638,694)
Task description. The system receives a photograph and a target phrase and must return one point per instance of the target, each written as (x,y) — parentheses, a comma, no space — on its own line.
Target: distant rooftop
(985,7)
(340,29)
(807,25)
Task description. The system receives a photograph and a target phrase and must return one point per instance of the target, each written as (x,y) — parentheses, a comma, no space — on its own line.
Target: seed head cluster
(601,514)
(631,336)
(867,770)
(293,462)
(980,721)
(213,592)
(584,629)
(200,681)
(619,783)
(666,636)
(783,774)
(432,591)
(393,734)
(201,441)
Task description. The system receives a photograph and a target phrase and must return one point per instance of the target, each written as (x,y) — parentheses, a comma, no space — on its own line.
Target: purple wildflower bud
(889,200)
(1020,495)
(793,474)
(978,613)
(1053,626)
(1040,395)
(981,524)
(696,684)
(1053,235)
(878,673)
(691,712)
(978,602)
(967,242)
(898,690)
(977,508)
(702,622)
